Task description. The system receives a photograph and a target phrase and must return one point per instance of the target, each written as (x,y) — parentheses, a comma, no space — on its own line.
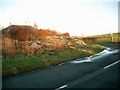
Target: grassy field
(105,38)
(18,64)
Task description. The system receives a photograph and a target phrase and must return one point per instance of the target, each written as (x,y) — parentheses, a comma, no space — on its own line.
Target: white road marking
(61,87)
(111,64)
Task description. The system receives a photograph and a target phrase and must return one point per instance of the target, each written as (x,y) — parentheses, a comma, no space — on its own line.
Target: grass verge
(18,64)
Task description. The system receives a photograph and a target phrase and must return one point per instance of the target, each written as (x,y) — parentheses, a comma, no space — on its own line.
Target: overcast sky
(88,17)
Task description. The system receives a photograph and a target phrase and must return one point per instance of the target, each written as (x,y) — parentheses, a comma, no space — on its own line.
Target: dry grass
(8,48)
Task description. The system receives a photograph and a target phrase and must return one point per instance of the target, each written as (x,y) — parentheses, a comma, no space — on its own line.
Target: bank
(26,63)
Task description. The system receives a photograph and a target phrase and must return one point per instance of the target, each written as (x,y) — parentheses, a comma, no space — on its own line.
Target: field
(105,38)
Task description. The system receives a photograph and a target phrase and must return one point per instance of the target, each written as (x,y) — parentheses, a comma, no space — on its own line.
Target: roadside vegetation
(20,63)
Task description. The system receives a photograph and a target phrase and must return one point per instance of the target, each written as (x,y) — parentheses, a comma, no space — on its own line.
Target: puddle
(92,58)
(106,51)
(81,61)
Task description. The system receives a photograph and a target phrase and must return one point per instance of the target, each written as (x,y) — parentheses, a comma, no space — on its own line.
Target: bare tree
(35,25)
(10,23)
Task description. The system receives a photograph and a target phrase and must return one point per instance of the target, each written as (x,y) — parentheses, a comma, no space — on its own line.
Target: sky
(78,17)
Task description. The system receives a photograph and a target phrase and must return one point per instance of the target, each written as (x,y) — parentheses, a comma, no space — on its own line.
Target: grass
(107,38)
(18,64)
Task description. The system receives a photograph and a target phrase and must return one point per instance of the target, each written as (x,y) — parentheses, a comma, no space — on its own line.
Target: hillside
(25,48)
(20,33)
(19,39)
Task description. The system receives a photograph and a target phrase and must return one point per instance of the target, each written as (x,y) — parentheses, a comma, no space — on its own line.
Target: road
(97,71)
